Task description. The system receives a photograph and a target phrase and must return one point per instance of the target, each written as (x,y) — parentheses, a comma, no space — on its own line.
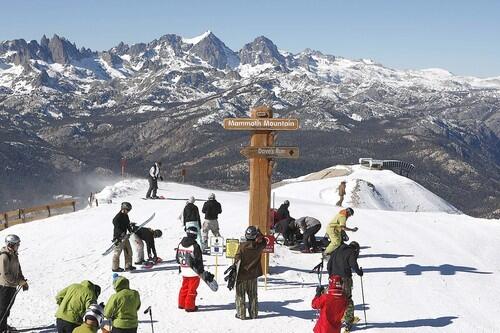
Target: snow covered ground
(426,270)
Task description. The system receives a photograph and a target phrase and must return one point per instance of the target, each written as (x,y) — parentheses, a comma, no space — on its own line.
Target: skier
(122,307)
(342,261)
(331,305)
(212,209)
(92,320)
(335,228)
(154,174)
(72,302)
(121,223)
(11,278)
(248,257)
(341,191)
(309,227)
(145,235)
(191,218)
(190,260)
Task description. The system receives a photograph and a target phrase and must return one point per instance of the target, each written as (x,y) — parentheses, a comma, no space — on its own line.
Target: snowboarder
(145,235)
(154,174)
(190,260)
(248,259)
(11,278)
(331,304)
(92,320)
(212,209)
(342,261)
(72,302)
(122,307)
(341,191)
(121,223)
(309,227)
(335,228)
(191,218)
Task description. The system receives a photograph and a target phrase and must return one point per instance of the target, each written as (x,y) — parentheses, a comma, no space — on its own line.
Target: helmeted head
(251,233)
(211,196)
(192,232)
(126,206)
(355,246)
(286,203)
(349,211)
(159,163)
(157,233)
(191,199)
(12,240)
(95,313)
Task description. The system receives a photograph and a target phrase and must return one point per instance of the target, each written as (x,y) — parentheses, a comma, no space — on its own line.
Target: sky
(460,36)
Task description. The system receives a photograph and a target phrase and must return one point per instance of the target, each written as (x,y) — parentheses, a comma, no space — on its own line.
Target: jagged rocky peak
(261,51)
(212,50)
(62,50)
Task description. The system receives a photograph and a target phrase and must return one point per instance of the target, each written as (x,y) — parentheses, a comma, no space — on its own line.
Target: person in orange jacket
(331,305)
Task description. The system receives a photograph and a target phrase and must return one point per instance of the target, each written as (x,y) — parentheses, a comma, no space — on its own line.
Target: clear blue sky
(461,36)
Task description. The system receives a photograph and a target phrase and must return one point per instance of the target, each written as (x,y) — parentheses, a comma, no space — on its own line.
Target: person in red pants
(331,305)
(189,258)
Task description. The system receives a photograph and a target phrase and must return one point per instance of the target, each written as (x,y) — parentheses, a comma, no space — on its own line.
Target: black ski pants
(153,187)
(124,330)
(6,296)
(310,236)
(64,326)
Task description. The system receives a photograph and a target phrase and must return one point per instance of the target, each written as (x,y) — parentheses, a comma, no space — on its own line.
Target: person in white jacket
(154,174)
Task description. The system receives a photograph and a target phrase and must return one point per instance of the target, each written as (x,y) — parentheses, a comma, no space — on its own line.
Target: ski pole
(363,296)
(150,317)
(10,303)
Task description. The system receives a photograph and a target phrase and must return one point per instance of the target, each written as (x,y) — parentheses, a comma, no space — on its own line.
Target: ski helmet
(11,240)
(191,199)
(127,206)
(355,245)
(349,211)
(286,202)
(157,233)
(192,232)
(251,233)
(95,313)
(211,196)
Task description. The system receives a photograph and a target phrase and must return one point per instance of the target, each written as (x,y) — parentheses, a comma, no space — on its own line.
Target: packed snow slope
(426,271)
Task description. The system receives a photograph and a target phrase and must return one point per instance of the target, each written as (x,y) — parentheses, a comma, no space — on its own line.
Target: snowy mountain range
(434,270)
(67,111)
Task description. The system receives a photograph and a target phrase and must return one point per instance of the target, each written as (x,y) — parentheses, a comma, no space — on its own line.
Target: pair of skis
(127,236)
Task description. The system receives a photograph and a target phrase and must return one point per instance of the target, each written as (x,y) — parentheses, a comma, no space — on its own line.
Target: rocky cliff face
(67,112)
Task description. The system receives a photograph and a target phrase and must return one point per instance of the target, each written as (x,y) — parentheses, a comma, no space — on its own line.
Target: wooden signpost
(261,153)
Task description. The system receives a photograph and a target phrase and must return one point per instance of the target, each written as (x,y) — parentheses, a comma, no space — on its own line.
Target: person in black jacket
(212,209)
(154,174)
(121,223)
(283,212)
(289,229)
(145,235)
(191,217)
(342,261)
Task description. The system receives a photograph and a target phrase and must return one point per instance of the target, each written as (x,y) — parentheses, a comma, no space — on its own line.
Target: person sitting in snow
(331,305)
(122,307)
(335,227)
(145,235)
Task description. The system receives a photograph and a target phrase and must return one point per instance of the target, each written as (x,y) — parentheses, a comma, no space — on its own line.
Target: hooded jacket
(331,305)
(191,214)
(343,260)
(189,257)
(11,274)
(122,307)
(249,255)
(212,209)
(85,328)
(74,300)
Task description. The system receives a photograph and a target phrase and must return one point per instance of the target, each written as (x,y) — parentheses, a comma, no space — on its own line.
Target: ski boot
(349,326)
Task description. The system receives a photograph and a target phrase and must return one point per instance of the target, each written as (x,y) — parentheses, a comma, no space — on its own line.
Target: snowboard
(160,197)
(33,329)
(151,263)
(213,285)
(111,248)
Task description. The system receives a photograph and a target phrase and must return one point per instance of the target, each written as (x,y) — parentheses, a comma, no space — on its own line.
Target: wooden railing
(23,215)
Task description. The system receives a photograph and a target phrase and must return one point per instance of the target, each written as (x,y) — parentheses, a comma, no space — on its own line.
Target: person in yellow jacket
(335,227)
(122,307)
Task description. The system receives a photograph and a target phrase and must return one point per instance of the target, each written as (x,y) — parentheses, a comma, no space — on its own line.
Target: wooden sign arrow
(270,152)
(261,124)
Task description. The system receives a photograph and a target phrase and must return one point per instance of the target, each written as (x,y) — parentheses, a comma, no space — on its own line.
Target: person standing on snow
(191,218)
(92,320)
(145,235)
(11,277)
(309,227)
(342,262)
(190,260)
(341,190)
(121,223)
(154,174)
(212,209)
(335,228)
(331,305)
(248,257)
(72,302)
(122,307)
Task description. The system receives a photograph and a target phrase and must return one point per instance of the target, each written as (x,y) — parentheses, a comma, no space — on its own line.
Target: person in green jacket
(92,320)
(122,307)
(73,301)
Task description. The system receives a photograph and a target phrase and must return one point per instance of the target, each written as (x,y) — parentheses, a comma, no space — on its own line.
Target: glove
(230,268)
(355,229)
(116,241)
(231,277)
(161,178)
(319,290)
(360,273)
(345,238)
(207,276)
(24,285)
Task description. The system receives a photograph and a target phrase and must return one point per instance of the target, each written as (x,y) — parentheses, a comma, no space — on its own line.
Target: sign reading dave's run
(271,152)
(263,124)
